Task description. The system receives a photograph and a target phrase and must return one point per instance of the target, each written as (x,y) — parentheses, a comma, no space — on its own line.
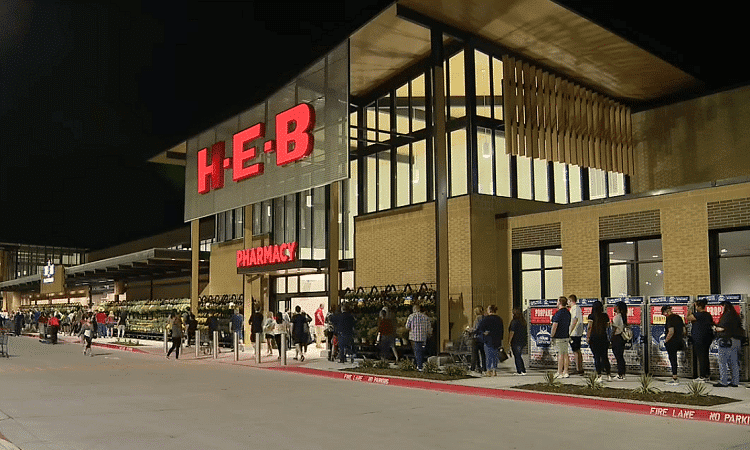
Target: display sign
(715,308)
(270,254)
(541,351)
(657,351)
(588,357)
(297,139)
(52,279)
(48,273)
(635,350)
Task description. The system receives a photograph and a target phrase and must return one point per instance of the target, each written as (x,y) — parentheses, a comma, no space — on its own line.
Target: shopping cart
(461,352)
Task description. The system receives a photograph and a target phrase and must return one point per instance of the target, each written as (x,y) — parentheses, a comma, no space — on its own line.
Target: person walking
(176,337)
(478,357)
(237,326)
(420,328)
(491,329)
(561,336)
(517,337)
(101,323)
(54,326)
(279,328)
(122,320)
(256,326)
(576,332)
(673,341)
(300,332)
(268,329)
(86,334)
(344,326)
(320,322)
(701,331)
(596,335)
(619,322)
(386,334)
(19,322)
(730,333)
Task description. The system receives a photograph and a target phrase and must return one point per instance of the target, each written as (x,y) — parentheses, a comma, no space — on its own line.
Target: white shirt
(575,313)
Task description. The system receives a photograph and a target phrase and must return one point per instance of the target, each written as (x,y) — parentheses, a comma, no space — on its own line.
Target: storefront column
(194,259)
(247,291)
(333,246)
(441,187)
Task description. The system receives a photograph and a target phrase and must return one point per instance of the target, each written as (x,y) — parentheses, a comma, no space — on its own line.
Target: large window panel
(419,171)
(457,89)
(523,169)
(484,94)
(574,183)
(484,161)
(384,118)
(597,183)
(458,163)
(371,186)
(419,104)
(402,109)
(403,182)
(371,115)
(319,223)
(305,225)
(290,231)
(497,77)
(502,167)
(384,180)
(635,268)
(734,262)
(561,182)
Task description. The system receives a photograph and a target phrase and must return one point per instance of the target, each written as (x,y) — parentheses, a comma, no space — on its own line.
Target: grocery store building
(494,151)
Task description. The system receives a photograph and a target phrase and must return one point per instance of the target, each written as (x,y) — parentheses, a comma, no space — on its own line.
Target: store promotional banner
(541,351)
(715,308)
(588,358)
(635,350)
(658,363)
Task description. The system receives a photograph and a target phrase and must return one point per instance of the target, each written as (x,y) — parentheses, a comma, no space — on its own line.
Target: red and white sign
(541,316)
(270,254)
(294,141)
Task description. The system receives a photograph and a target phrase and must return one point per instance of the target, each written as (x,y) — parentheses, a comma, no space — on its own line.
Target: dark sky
(90,91)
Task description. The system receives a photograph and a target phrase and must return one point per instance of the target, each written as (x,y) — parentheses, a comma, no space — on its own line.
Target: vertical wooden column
(195,241)
(333,246)
(441,187)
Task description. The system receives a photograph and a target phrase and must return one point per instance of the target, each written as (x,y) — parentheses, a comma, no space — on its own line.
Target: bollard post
(236,342)
(216,344)
(258,346)
(197,342)
(282,350)
(166,346)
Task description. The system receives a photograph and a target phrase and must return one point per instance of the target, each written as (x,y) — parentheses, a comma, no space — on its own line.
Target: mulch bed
(406,374)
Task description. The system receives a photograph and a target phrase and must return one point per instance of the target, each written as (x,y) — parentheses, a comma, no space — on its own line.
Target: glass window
(278,220)
(540,180)
(418,103)
(497,88)
(459,183)
(281,285)
(305,225)
(616,184)
(384,118)
(312,283)
(734,262)
(541,274)
(371,114)
(347,280)
(502,167)
(457,91)
(484,94)
(292,285)
(635,268)
(484,161)
(403,165)
(523,169)
(419,172)
(531,259)
(371,188)
(352,198)
(384,180)
(574,182)
(402,109)
(319,223)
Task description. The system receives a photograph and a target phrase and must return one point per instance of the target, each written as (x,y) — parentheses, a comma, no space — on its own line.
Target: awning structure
(153,264)
(298,267)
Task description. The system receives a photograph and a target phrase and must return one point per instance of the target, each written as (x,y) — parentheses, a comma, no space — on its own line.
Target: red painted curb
(673,412)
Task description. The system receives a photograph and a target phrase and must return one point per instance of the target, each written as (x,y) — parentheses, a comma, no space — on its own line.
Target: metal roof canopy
(156,263)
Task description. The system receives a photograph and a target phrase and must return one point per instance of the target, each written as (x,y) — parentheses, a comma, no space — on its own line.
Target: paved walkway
(504,385)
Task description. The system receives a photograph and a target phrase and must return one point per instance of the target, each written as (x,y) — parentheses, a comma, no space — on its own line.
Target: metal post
(197,342)
(282,350)
(166,346)
(215,344)
(236,343)
(258,346)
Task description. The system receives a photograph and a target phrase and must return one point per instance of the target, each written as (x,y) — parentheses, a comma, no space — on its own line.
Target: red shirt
(319,318)
(53,322)
(101,317)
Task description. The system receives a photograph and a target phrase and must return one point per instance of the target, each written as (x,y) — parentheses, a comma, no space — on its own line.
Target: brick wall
(629,225)
(729,213)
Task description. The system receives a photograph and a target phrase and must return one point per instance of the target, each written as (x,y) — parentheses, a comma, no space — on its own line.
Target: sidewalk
(502,386)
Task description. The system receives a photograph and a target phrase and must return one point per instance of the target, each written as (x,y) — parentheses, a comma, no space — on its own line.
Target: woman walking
(619,322)
(730,333)
(301,336)
(478,357)
(268,327)
(491,329)
(597,338)
(176,337)
(517,337)
(86,334)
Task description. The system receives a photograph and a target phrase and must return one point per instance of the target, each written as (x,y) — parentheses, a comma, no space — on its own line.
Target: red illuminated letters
(210,175)
(240,155)
(271,254)
(293,138)
(294,141)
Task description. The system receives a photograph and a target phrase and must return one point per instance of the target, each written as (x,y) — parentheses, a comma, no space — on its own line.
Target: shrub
(430,367)
(456,370)
(592,381)
(382,364)
(697,389)
(407,365)
(366,364)
(550,378)
(646,381)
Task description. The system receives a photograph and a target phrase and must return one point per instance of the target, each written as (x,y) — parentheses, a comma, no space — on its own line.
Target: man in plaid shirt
(420,328)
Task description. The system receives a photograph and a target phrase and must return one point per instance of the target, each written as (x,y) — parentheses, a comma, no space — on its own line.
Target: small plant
(382,364)
(407,365)
(646,381)
(593,381)
(456,370)
(697,389)
(550,378)
(366,364)
(430,367)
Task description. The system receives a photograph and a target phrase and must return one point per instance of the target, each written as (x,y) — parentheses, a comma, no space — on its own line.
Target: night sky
(89,92)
